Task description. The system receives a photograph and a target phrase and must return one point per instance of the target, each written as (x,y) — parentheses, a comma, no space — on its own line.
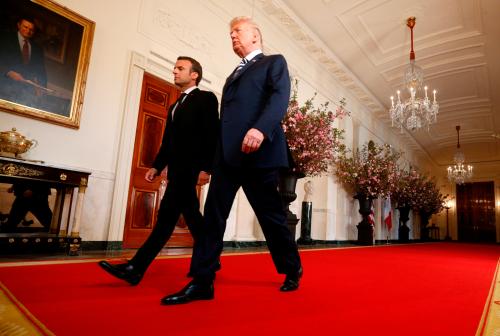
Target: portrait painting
(44,57)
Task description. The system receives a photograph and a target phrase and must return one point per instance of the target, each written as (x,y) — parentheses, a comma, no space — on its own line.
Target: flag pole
(387,214)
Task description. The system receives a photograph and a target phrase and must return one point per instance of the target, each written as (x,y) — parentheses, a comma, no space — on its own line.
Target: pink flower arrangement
(405,192)
(417,191)
(371,171)
(428,198)
(312,139)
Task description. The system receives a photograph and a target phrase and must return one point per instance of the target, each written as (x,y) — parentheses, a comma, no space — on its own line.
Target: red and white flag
(371,217)
(386,213)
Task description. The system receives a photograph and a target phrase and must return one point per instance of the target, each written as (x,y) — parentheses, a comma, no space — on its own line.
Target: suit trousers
(180,198)
(37,204)
(260,187)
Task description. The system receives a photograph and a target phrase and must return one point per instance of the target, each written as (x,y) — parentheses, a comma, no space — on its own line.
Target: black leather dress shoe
(292,281)
(193,291)
(123,271)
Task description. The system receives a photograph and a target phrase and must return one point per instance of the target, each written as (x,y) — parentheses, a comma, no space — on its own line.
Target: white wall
(133,36)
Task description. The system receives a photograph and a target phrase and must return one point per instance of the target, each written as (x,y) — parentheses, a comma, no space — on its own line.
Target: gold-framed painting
(44,57)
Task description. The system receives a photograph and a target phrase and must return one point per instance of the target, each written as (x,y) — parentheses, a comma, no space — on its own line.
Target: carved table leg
(74,240)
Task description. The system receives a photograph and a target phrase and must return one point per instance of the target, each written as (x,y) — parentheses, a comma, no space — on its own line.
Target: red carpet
(419,289)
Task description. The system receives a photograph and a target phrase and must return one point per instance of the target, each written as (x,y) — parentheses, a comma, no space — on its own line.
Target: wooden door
(476,212)
(144,197)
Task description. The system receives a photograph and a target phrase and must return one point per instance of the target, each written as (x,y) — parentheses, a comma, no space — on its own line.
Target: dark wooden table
(64,229)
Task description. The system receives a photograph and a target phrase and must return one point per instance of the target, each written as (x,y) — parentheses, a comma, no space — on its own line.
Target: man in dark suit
(187,150)
(22,65)
(251,150)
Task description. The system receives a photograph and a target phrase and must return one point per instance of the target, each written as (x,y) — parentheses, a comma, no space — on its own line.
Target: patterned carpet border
(490,321)
(15,319)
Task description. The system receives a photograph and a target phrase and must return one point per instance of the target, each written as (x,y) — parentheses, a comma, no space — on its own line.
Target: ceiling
(365,44)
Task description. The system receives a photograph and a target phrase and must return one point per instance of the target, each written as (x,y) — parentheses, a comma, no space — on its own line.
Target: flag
(371,217)
(386,213)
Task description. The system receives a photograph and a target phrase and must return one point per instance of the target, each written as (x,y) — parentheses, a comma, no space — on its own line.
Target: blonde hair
(251,22)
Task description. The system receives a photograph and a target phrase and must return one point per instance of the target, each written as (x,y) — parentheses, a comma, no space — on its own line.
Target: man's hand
(151,174)
(15,76)
(252,141)
(203,178)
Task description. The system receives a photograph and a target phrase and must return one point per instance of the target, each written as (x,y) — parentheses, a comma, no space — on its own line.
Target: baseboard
(118,245)
(101,245)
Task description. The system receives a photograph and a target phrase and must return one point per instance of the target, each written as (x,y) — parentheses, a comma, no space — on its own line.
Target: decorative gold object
(12,169)
(15,143)
(63,177)
(83,182)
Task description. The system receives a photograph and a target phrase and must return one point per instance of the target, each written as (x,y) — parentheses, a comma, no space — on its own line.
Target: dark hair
(195,66)
(28,18)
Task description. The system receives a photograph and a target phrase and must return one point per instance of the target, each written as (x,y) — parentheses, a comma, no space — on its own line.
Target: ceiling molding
(323,55)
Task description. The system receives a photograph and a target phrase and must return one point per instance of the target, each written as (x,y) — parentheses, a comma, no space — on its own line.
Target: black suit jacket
(190,138)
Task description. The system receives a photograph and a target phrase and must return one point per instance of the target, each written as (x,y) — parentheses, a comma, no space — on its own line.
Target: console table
(64,180)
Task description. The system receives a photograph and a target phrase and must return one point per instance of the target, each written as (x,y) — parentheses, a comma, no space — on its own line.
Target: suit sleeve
(164,154)
(278,90)
(210,124)
(6,54)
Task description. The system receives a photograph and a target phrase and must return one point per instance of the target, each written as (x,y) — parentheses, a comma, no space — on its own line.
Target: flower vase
(424,221)
(365,228)
(404,230)
(305,224)
(287,184)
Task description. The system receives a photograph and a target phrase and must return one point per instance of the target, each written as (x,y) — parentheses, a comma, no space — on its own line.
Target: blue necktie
(243,62)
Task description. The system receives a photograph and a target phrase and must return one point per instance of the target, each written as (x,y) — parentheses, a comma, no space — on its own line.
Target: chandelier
(414,112)
(459,172)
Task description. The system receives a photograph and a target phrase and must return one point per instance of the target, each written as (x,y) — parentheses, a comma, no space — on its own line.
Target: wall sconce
(447,204)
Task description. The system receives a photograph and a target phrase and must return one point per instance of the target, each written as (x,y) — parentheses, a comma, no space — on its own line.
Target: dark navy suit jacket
(256,97)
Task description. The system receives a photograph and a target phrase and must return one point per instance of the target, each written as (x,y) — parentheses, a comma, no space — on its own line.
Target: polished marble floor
(128,253)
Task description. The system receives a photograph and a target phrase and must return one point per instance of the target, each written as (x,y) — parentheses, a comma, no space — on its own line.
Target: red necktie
(26,52)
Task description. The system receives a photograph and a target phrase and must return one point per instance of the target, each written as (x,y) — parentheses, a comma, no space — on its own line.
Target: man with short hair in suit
(187,149)
(22,65)
(251,150)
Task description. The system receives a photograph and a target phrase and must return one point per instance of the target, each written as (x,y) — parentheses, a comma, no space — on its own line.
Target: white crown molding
(324,56)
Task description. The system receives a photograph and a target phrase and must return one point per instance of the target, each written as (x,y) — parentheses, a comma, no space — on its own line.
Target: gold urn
(15,143)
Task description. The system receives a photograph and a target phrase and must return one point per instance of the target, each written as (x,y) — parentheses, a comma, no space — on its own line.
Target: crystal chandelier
(414,112)
(459,172)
